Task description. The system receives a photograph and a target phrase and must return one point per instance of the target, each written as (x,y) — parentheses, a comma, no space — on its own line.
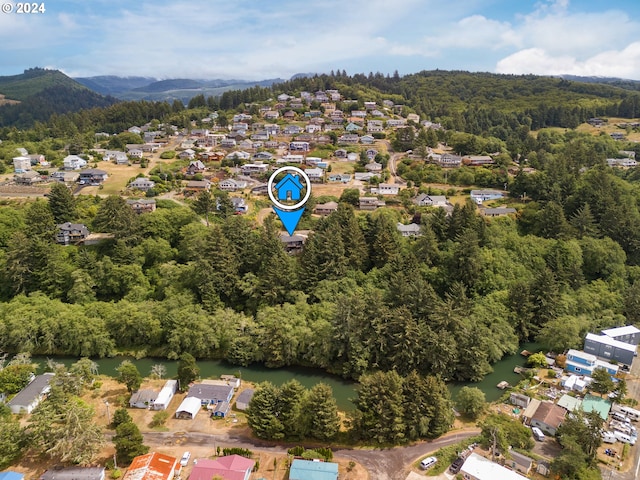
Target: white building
(21,164)
(476,467)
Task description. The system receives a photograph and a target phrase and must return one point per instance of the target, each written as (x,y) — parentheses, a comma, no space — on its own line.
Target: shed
(232,380)
(313,470)
(189,408)
(520,400)
(166,395)
(242,402)
(520,462)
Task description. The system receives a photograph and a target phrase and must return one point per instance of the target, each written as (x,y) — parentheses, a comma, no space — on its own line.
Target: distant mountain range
(183,89)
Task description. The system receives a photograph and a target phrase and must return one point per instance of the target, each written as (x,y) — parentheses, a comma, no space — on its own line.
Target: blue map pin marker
(289,219)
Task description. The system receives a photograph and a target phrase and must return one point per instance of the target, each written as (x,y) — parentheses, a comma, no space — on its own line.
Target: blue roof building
(11,476)
(313,470)
(289,187)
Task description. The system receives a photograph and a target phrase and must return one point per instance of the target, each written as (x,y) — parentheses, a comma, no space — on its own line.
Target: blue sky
(258,39)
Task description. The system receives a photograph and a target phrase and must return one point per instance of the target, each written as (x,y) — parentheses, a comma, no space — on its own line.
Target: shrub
(159,419)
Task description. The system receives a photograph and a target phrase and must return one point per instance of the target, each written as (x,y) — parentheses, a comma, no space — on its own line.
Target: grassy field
(119,176)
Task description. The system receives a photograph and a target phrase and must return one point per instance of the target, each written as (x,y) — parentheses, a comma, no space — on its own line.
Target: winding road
(382,464)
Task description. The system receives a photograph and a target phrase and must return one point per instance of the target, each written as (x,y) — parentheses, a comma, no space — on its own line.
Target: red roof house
(152,466)
(231,467)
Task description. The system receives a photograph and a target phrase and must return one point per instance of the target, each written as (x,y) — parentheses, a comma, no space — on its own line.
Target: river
(343,390)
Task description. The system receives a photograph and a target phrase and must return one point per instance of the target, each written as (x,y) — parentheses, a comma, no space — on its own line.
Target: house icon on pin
(289,187)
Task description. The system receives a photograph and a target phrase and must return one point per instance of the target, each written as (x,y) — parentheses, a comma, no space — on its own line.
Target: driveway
(382,463)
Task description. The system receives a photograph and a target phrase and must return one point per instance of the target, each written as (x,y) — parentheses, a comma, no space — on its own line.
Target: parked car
(185,458)
(456,465)
(428,462)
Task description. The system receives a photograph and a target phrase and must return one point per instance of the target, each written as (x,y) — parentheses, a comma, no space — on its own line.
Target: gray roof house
(69,233)
(30,396)
(74,473)
(143,398)
(209,394)
(142,183)
(519,462)
(411,230)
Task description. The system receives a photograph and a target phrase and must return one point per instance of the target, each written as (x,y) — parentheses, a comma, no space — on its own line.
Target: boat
(526,353)
(503,384)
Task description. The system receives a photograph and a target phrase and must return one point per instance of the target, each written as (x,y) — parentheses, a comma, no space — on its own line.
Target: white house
(165,396)
(477,467)
(231,185)
(385,189)
(142,183)
(411,230)
(21,164)
(480,196)
(73,162)
(30,396)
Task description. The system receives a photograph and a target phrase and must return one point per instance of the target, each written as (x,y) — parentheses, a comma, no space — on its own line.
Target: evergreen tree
(62,203)
(204,204)
(129,443)
(39,222)
(262,413)
(321,411)
(291,411)
(115,216)
(379,415)
(120,416)
(471,401)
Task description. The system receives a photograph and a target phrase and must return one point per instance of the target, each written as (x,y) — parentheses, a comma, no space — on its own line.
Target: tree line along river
(343,390)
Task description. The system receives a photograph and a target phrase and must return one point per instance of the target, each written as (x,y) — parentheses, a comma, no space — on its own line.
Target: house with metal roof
(230,467)
(166,395)
(189,408)
(74,473)
(30,396)
(627,334)
(313,470)
(211,394)
(608,348)
(476,467)
(152,466)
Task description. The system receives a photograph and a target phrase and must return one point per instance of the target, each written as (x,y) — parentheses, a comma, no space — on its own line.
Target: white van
(537,434)
(428,462)
(608,437)
(624,438)
(632,413)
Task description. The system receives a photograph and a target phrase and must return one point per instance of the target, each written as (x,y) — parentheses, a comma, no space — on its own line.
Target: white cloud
(623,63)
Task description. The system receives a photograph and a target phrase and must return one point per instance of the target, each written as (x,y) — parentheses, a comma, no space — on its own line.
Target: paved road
(382,464)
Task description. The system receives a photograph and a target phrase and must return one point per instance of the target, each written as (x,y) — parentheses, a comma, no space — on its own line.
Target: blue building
(609,348)
(289,188)
(583,363)
(311,470)
(627,334)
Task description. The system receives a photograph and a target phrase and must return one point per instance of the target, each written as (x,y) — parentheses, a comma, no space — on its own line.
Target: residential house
(188,408)
(30,396)
(497,212)
(370,203)
(299,146)
(143,398)
(197,186)
(365,176)
(348,139)
(574,382)
(326,208)
(229,467)
(619,162)
(271,129)
(519,462)
(73,162)
(386,189)
(292,243)
(134,129)
(480,196)
(548,417)
(371,153)
(247,144)
(530,411)
(367,140)
(477,160)
(291,159)
(221,409)
(596,122)
(187,154)
(359,113)
(292,130)
(313,128)
(261,136)
(610,349)
(241,117)
(617,135)
(448,160)
(411,230)
(413,117)
(315,175)
(239,155)
(29,177)
(396,122)
(65,177)
(283,97)
(166,395)
(74,473)
(476,467)
(340,177)
(583,363)
(93,176)
(387,103)
(261,189)
(21,164)
(227,143)
(71,233)
(340,153)
(627,334)
(377,113)
(142,183)
(370,105)
(142,205)
(211,394)
(240,206)
(424,200)
(289,115)
(313,470)
(373,167)
(375,126)
(352,127)
(152,466)
(196,166)
(231,185)
(271,115)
